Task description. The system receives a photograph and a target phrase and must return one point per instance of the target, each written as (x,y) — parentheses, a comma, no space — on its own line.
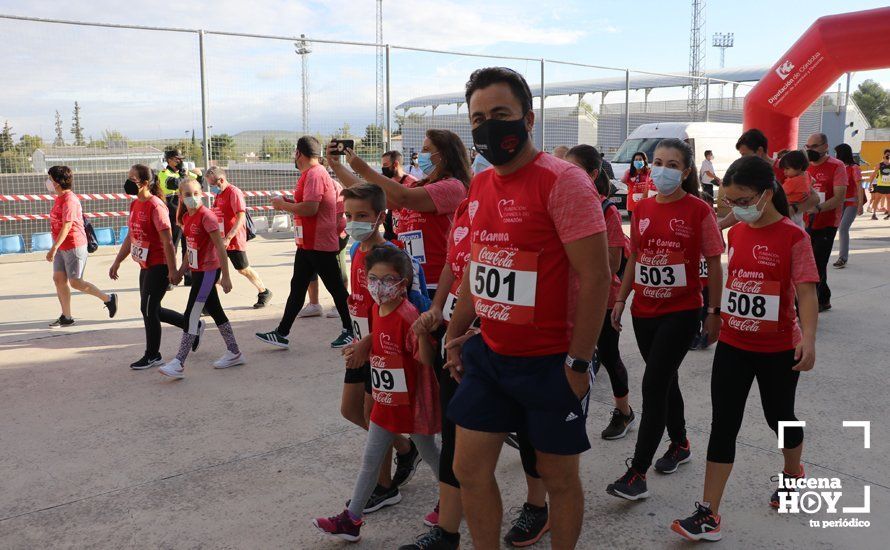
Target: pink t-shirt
(616,239)
(229,203)
(201,254)
(66,208)
(321,231)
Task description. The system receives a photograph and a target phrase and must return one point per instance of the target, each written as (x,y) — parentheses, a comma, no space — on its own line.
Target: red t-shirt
(405,392)
(778,171)
(765,265)
(201,254)
(408,181)
(524,289)
(425,234)
(615,236)
(321,231)
(360,300)
(66,208)
(147,220)
(826,176)
(669,240)
(637,187)
(229,203)
(458,255)
(854,176)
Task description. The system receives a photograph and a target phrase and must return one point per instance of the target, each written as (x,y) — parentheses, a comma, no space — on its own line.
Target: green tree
(874,102)
(222,147)
(28,144)
(113,136)
(76,127)
(60,137)
(6,141)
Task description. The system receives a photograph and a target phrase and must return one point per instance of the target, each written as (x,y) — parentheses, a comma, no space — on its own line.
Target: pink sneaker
(432,519)
(340,526)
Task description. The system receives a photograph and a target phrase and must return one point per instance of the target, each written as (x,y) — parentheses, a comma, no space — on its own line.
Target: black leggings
(664,342)
(327,266)
(203,297)
(733,373)
(609,356)
(152,288)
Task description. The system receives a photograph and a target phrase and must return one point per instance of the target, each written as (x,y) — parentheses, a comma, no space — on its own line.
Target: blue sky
(146,85)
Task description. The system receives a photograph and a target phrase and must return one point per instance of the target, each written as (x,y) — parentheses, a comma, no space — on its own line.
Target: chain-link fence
(100,98)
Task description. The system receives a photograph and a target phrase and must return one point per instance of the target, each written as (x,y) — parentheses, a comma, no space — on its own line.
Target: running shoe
(840,263)
(111,304)
(147,362)
(340,526)
(343,340)
(229,360)
(406,466)
(619,424)
(774,501)
(434,539)
(197,341)
(632,485)
(432,519)
(262,299)
(529,526)
(332,313)
(62,321)
(173,369)
(310,310)
(381,498)
(676,454)
(702,525)
(512,440)
(274,338)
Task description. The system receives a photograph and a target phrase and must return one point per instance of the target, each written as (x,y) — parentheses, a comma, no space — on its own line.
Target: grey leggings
(849,215)
(379,441)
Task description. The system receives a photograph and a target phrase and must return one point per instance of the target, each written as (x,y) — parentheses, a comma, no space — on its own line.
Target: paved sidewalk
(95,455)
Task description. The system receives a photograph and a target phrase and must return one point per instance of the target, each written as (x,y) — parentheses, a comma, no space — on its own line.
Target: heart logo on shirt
(460,233)
(503,206)
(472,208)
(759,249)
(676,223)
(643,225)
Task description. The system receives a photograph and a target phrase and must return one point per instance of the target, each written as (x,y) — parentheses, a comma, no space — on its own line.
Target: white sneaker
(173,369)
(332,313)
(310,310)
(229,360)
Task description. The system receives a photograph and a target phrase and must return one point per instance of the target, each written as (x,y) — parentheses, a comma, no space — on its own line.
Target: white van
(717,137)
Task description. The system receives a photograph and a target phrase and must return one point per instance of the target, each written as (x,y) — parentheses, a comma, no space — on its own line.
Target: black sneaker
(343,340)
(147,362)
(512,441)
(675,455)
(262,299)
(619,425)
(187,280)
(702,525)
(406,465)
(696,342)
(824,307)
(381,498)
(197,341)
(434,539)
(529,527)
(632,485)
(774,501)
(274,338)
(62,321)
(111,304)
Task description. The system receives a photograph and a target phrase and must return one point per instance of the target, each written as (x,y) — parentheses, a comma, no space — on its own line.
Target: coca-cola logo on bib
(644,224)
(498,258)
(493,311)
(660,292)
(472,208)
(460,233)
(744,325)
(747,287)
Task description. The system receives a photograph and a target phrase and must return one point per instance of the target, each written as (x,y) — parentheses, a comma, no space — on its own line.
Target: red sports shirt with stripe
(147,220)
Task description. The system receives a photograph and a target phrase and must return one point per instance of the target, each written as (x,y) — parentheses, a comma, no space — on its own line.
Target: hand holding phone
(339,146)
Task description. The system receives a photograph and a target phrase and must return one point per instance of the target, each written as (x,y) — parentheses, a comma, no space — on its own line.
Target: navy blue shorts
(503,394)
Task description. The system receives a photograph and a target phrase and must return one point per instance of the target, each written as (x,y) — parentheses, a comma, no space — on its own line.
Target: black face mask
(388,171)
(813,156)
(131,188)
(499,141)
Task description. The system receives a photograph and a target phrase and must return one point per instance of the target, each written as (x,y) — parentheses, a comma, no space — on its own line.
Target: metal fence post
(708,100)
(204,137)
(626,103)
(543,116)
(388,114)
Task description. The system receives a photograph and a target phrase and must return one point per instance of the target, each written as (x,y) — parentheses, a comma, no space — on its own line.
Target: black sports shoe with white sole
(381,498)
(676,454)
(702,525)
(147,362)
(406,465)
(274,338)
(632,485)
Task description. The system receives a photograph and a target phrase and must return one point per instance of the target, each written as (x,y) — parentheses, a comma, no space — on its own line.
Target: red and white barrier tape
(117,196)
(30,217)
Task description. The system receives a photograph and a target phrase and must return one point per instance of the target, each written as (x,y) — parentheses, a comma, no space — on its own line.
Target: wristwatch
(577,365)
(713,311)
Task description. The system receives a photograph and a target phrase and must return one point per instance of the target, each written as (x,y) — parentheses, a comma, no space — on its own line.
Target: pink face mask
(385,290)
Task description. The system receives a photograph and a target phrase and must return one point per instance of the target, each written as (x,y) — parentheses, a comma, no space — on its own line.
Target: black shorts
(361,375)
(238,259)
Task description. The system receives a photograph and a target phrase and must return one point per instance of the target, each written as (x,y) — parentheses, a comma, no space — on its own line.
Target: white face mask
(192,203)
(666,180)
(50,186)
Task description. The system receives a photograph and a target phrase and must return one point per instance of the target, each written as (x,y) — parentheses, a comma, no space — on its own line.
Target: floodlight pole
(204,134)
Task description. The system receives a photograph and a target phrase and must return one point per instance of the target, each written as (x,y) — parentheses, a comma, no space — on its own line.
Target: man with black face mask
(391,167)
(830,184)
(538,280)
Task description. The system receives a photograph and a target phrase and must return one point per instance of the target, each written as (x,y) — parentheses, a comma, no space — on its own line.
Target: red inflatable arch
(832,46)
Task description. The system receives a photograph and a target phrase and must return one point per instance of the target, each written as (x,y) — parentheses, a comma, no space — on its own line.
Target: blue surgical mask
(360,231)
(214,189)
(638,164)
(192,203)
(666,180)
(425,162)
(480,164)
(748,214)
